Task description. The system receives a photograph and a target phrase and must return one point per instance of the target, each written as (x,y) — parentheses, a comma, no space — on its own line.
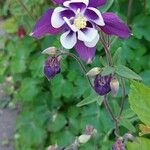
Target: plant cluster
(63,92)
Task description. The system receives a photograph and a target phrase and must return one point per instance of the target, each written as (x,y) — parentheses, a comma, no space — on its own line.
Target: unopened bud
(90,130)
(84,138)
(114,85)
(50,51)
(119,145)
(128,136)
(94,71)
(52,147)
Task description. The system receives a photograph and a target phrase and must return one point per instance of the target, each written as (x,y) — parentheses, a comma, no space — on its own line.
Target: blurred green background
(49,114)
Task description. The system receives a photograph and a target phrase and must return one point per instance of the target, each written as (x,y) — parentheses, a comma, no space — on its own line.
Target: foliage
(49,114)
(139,101)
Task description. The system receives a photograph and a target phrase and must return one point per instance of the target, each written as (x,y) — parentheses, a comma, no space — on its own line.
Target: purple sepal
(115,26)
(43,25)
(97,3)
(102,84)
(51,67)
(85,53)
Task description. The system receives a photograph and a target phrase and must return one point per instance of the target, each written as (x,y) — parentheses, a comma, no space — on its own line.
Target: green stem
(106,48)
(81,65)
(129,10)
(115,120)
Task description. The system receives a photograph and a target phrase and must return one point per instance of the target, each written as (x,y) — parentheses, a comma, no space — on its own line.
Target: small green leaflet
(125,72)
(107,70)
(93,97)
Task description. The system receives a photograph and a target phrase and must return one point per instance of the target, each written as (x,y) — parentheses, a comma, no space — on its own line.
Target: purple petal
(58,1)
(94,15)
(43,25)
(76,6)
(67,13)
(91,14)
(97,3)
(115,26)
(85,52)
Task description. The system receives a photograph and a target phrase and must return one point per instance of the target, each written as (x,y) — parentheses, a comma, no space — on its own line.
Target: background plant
(49,108)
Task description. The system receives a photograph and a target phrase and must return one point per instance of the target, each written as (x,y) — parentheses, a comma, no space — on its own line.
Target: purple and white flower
(79,20)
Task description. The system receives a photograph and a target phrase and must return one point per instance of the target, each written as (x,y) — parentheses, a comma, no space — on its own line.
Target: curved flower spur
(79,20)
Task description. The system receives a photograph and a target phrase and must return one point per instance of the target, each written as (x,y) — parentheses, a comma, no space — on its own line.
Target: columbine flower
(119,145)
(79,20)
(51,67)
(102,84)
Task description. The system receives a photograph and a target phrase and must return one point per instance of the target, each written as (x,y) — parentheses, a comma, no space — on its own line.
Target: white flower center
(80,21)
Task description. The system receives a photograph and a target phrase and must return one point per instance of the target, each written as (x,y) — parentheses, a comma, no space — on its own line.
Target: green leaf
(10,25)
(139,98)
(102,61)
(29,89)
(93,97)
(139,144)
(116,56)
(125,72)
(62,138)
(107,6)
(57,123)
(37,71)
(107,71)
(141,28)
(127,124)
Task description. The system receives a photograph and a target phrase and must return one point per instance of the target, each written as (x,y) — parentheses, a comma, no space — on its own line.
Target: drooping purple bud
(102,84)
(21,32)
(119,145)
(51,67)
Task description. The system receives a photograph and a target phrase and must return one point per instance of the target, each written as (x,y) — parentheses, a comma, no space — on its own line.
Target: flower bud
(90,130)
(51,67)
(21,32)
(119,145)
(84,138)
(102,84)
(128,136)
(114,85)
(52,51)
(93,72)
(52,147)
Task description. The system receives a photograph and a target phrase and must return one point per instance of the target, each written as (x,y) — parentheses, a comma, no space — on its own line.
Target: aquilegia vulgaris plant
(82,25)
(79,22)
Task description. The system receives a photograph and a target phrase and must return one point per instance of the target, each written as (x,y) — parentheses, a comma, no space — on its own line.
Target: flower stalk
(62,52)
(116,119)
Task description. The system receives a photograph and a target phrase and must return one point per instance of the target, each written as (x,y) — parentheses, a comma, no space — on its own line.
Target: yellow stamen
(80,22)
